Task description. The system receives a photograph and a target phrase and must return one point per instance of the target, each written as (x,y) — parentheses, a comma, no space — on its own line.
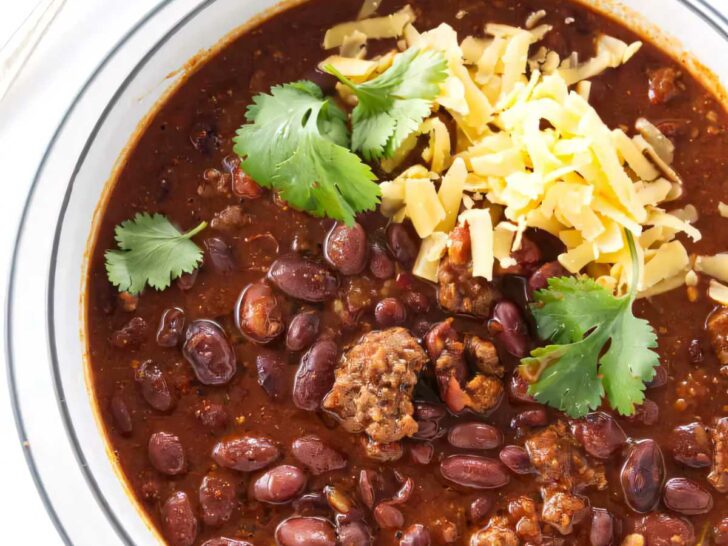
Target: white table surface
(79,38)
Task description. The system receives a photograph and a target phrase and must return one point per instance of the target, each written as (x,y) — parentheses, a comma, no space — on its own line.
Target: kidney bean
(416,535)
(131,335)
(664,85)
(258,315)
(426,411)
(212,416)
(602,528)
(646,414)
(244,186)
(272,373)
(171,326)
(345,248)
(422,453)
(120,413)
(217,500)
(390,312)
(305,531)
(166,453)
(354,534)
(366,488)
(303,330)
(402,244)
(539,278)
(516,459)
(687,497)
(313,503)
(665,530)
(530,418)
(245,453)
(599,433)
(315,375)
(186,281)
(209,352)
(219,255)
(642,476)
(279,485)
(318,457)
(303,279)
(405,492)
(178,520)
(380,265)
(224,541)
(417,301)
(153,386)
(518,390)
(388,517)
(720,532)
(479,509)
(474,436)
(691,445)
(509,328)
(660,379)
(696,355)
(474,471)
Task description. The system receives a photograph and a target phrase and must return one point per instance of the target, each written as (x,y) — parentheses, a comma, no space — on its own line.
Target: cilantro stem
(635,265)
(194,231)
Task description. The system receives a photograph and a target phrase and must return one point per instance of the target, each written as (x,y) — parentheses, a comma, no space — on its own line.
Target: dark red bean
(186,281)
(416,535)
(178,520)
(518,390)
(479,508)
(475,471)
(354,534)
(403,244)
(315,375)
(303,531)
(422,453)
(602,528)
(516,459)
(166,453)
(272,373)
(642,476)
(691,445)
(687,497)
(474,436)
(171,327)
(212,416)
(120,413)
(539,278)
(303,279)
(695,352)
(509,328)
(219,255)
(600,434)
(425,411)
(646,414)
(245,453)
(217,500)
(318,457)
(244,186)
(153,386)
(209,352)
(390,312)
(664,85)
(310,504)
(388,517)
(303,330)
(279,485)
(366,488)
(380,265)
(531,418)
(417,301)
(131,335)
(258,314)
(660,379)
(720,532)
(665,530)
(224,541)
(345,248)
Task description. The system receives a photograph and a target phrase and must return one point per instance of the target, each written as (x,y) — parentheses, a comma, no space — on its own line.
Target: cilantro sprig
(599,346)
(296,142)
(394,104)
(152,252)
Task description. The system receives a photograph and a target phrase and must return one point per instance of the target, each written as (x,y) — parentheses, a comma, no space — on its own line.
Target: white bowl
(66,451)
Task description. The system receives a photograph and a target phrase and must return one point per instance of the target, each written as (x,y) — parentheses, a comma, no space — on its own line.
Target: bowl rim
(700,8)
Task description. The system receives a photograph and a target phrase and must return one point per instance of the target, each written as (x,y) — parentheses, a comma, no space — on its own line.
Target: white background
(80,37)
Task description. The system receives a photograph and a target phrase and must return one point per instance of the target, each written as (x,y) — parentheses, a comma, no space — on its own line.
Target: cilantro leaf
(599,347)
(296,143)
(394,104)
(152,251)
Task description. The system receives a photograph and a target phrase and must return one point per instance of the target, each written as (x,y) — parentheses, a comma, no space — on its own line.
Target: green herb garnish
(394,104)
(599,346)
(296,142)
(152,251)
